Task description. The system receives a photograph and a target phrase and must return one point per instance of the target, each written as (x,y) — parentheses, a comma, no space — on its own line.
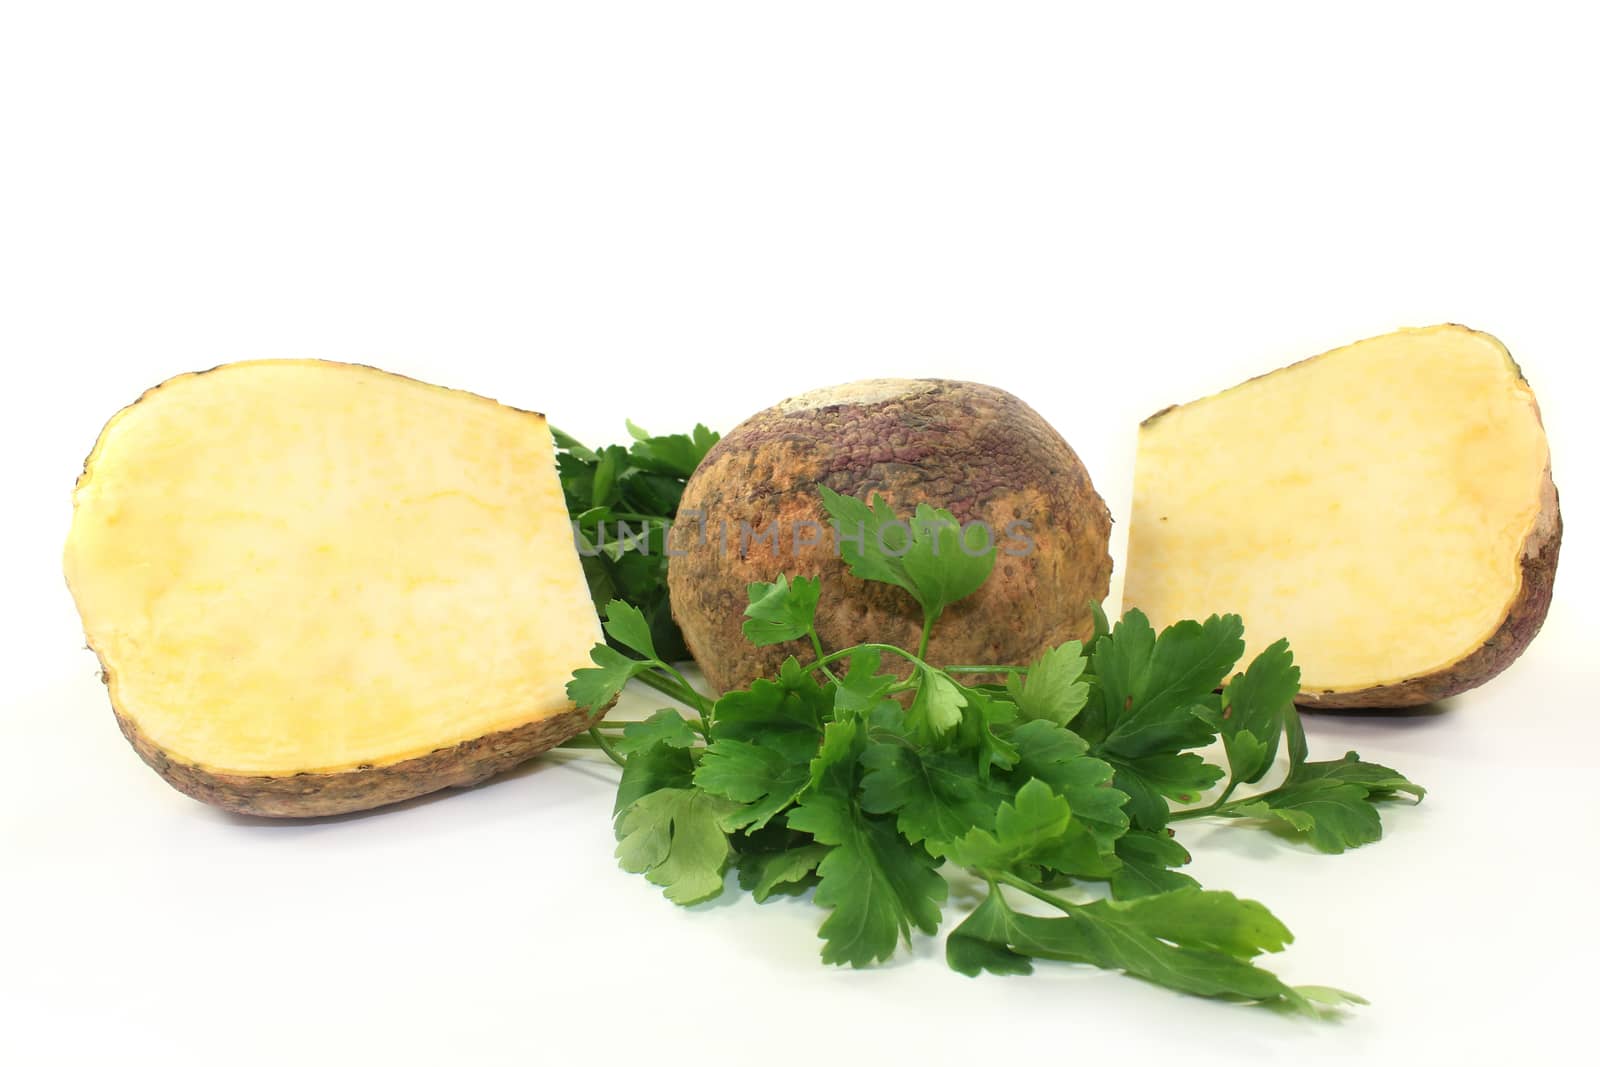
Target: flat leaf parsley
(1040,781)
(622,501)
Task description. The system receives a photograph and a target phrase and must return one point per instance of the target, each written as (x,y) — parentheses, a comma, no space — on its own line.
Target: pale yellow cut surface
(305,566)
(1370,504)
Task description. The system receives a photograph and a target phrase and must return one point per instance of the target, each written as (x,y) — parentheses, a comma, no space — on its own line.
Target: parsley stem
(706,706)
(698,701)
(985,668)
(664,685)
(1029,888)
(605,746)
(816,645)
(1217,806)
(834,657)
(928,619)
(628,516)
(678,688)
(1192,813)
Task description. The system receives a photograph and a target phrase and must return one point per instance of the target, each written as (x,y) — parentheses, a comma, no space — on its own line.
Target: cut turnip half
(317,587)
(1386,506)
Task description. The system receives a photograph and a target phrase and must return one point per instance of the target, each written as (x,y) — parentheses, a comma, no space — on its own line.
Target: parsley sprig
(622,501)
(1042,781)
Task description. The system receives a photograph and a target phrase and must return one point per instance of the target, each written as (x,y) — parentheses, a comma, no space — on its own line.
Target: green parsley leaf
(1189,939)
(879,886)
(1149,780)
(763,874)
(678,839)
(1333,804)
(675,454)
(567,443)
(627,626)
(1052,688)
(654,767)
(981,720)
(1150,688)
(1253,706)
(596,688)
(936,708)
(1294,734)
(1102,625)
(782,610)
(1379,781)
(945,563)
(613,460)
(1055,756)
(934,796)
(862,688)
(761,779)
(1147,861)
(1034,829)
(1333,816)
(664,727)
(841,742)
(871,540)
(1121,660)
(983,941)
(1200,918)
(931,557)
(785,715)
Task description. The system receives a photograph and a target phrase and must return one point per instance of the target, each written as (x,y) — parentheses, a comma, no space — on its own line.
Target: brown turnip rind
(975,450)
(1522,623)
(339,792)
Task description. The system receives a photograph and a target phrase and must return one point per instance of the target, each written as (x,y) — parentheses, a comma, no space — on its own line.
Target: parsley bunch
(1042,779)
(622,501)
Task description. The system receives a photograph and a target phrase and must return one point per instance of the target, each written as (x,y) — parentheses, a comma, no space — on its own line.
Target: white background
(685,212)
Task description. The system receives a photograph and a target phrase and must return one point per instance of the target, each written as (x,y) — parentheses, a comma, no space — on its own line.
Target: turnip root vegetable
(316,587)
(1387,506)
(752,511)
